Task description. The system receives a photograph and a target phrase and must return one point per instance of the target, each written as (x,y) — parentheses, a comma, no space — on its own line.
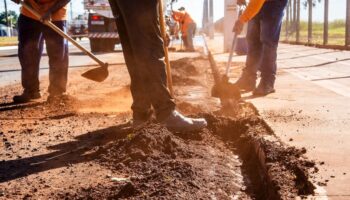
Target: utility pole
(205,16)
(211,19)
(7,19)
(230,16)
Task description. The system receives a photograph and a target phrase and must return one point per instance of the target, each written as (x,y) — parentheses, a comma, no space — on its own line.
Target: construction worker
(187,25)
(140,35)
(31,35)
(264,19)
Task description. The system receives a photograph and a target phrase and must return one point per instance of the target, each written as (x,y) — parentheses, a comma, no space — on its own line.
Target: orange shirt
(42,6)
(254,6)
(184,19)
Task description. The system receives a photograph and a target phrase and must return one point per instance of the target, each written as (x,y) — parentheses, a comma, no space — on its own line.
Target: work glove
(46,16)
(16,1)
(238,27)
(241,2)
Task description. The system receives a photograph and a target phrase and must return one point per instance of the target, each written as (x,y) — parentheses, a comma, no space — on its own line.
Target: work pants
(139,31)
(191,31)
(262,38)
(31,36)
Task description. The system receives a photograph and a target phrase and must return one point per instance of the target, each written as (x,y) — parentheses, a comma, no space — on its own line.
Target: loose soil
(83,147)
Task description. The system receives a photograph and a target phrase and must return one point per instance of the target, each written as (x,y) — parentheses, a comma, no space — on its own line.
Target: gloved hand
(16,1)
(46,16)
(241,2)
(238,27)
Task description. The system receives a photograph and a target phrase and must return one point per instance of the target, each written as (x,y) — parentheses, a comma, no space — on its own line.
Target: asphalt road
(10,71)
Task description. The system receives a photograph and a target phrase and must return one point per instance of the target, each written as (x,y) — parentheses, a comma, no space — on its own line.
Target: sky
(195,8)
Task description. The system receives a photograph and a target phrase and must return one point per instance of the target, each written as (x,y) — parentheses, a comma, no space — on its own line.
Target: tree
(12,16)
(314,2)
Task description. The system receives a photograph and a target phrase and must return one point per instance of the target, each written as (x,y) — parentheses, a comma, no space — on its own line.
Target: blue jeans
(31,36)
(262,38)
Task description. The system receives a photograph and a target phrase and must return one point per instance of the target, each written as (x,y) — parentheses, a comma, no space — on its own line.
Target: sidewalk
(310,109)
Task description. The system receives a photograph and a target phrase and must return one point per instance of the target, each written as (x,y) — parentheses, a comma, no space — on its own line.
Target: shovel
(98,74)
(227,92)
(166,52)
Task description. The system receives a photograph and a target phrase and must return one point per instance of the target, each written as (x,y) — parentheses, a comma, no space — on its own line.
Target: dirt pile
(184,72)
(152,143)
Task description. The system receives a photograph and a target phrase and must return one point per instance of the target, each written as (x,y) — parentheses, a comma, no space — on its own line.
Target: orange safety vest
(42,6)
(184,19)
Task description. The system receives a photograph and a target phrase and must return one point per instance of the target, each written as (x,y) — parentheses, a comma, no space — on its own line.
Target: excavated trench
(236,157)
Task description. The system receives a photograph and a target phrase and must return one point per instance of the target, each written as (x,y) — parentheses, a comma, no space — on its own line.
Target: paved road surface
(10,67)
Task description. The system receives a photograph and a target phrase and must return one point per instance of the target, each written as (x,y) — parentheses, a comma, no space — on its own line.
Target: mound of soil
(152,142)
(185,66)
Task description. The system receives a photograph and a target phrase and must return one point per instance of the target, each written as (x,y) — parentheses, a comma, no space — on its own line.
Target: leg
(254,48)
(141,101)
(272,14)
(184,40)
(190,35)
(57,50)
(30,48)
(271,21)
(142,27)
(247,81)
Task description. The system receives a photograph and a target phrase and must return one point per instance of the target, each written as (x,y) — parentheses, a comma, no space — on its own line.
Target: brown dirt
(84,147)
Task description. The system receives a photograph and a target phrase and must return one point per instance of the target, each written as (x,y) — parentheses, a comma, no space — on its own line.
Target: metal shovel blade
(98,74)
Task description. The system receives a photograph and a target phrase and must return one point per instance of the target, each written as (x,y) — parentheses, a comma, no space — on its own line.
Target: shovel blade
(98,74)
(226,90)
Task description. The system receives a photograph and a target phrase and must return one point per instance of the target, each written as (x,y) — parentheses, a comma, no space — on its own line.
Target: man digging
(31,35)
(140,34)
(264,19)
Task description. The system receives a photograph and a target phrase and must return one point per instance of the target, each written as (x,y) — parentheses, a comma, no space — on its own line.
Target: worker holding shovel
(31,36)
(143,48)
(264,19)
(187,25)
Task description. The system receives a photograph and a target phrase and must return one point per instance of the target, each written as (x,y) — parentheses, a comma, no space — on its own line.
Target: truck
(77,28)
(102,29)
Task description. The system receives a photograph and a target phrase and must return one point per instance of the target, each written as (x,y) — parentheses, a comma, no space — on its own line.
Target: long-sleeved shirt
(184,20)
(253,8)
(42,6)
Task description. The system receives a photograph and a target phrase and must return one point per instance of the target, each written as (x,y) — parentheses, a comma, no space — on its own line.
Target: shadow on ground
(64,154)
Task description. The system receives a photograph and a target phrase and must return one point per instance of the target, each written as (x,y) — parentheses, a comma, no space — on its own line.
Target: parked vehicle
(102,29)
(78,28)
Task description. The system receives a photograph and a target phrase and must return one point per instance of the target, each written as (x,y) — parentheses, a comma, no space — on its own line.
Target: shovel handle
(63,34)
(233,47)
(166,53)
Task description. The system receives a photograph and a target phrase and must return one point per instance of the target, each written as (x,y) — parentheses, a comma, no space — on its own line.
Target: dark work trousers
(262,37)
(31,36)
(191,32)
(139,31)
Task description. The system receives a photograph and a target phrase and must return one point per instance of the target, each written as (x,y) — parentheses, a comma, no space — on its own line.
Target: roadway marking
(8,48)
(16,47)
